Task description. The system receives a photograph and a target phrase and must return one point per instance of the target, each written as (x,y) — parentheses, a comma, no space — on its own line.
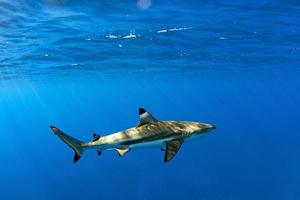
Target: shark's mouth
(205,130)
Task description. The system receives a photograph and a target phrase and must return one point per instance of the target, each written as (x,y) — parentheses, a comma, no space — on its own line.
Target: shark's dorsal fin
(145,117)
(172,148)
(122,152)
(96,137)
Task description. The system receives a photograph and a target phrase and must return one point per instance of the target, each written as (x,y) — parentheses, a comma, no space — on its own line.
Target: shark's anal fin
(122,152)
(145,118)
(172,148)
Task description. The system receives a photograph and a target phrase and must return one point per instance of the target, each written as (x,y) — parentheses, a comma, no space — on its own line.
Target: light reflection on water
(42,37)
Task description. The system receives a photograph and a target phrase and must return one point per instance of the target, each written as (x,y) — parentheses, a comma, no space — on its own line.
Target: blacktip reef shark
(149,132)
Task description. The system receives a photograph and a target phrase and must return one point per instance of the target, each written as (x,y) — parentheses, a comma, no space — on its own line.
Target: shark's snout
(208,127)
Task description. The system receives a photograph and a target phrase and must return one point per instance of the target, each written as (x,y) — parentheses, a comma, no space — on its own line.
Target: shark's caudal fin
(75,144)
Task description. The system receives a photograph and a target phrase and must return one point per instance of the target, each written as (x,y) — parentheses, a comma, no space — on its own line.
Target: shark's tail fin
(75,144)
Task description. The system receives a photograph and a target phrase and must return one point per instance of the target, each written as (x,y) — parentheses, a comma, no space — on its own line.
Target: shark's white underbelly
(140,145)
(144,145)
(150,144)
(162,142)
(193,137)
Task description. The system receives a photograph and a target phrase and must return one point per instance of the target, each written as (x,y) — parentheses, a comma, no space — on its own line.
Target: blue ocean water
(88,66)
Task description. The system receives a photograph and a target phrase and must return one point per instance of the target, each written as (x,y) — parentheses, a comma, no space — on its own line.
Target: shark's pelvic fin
(122,152)
(172,148)
(75,144)
(145,117)
(99,152)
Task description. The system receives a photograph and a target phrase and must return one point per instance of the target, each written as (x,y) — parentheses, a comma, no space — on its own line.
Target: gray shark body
(150,132)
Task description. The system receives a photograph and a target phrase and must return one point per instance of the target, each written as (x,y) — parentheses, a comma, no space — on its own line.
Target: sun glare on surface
(144,4)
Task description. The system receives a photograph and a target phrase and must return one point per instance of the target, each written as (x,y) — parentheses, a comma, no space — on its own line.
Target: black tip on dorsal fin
(96,137)
(142,111)
(145,117)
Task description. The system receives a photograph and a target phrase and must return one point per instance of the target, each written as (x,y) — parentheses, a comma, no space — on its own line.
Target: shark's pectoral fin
(145,118)
(122,152)
(99,152)
(172,148)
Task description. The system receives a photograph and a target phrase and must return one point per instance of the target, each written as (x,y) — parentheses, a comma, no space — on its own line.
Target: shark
(148,133)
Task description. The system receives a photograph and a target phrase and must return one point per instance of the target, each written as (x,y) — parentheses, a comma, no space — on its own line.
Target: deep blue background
(235,64)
